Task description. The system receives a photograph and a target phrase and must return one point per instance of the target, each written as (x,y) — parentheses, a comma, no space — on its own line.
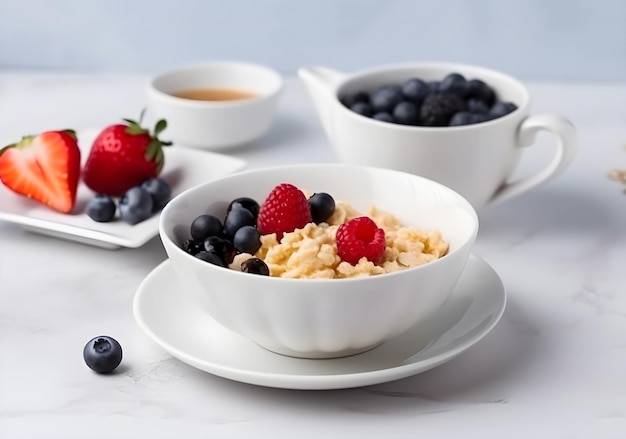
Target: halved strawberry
(44,167)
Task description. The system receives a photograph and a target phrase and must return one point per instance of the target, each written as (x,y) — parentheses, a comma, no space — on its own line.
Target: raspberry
(284,210)
(438,108)
(360,237)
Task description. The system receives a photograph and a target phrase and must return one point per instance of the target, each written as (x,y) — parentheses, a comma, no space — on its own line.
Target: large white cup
(475,160)
(215,124)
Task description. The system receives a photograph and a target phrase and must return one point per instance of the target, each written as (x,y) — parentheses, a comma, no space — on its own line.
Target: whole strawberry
(123,156)
(44,168)
(284,210)
(360,237)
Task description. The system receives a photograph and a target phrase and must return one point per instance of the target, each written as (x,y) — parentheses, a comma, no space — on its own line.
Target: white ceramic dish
(183,168)
(324,318)
(169,317)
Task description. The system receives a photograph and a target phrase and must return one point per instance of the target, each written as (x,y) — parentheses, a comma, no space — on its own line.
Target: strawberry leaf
(159,127)
(135,130)
(152,150)
(159,160)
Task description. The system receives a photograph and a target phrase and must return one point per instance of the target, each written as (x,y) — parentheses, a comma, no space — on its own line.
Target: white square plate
(184,168)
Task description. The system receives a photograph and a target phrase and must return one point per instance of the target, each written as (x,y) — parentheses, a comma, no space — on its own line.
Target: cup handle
(566,150)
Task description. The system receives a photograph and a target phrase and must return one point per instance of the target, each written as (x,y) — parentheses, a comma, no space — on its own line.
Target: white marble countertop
(554,367)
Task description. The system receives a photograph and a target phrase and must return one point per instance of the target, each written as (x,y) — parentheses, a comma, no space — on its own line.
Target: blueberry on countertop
(102,354)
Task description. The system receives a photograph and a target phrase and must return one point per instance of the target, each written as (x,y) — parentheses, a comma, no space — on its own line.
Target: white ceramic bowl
(215,125)
(322,318)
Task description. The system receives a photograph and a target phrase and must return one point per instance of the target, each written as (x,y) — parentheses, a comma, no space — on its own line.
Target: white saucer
(184,168)
(163,311)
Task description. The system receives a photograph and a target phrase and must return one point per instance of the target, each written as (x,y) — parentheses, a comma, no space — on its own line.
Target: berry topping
(255,266)
(204,226)
(102,354)
(101,208)
(236,219)
(44,168)
(322,207)
(160,191)
(221,247)
(192,247)
(360,238)
(284,210)
(438,108)
(135,205)
(246,203)
(210,257)
(247,240)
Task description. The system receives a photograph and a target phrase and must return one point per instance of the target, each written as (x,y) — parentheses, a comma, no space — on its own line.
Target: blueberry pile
(218,242)
(135,206)
(453,101)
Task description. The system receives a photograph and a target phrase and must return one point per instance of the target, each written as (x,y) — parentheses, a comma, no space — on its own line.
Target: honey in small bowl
(214,94)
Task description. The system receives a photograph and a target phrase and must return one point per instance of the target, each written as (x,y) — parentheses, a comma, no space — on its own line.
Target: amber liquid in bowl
(214,94)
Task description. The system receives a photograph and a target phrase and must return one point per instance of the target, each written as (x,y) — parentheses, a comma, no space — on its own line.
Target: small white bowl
(323,318)
(215,125)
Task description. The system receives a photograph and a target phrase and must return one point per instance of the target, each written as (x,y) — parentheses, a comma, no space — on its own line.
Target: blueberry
(204,226)
(247,203)
(479,90)
(415,90)
(477,106)
(454,83)
(384,117)
(101,208)
(247,240)
(102,354)
(192,247)
(160,190)
(136,205)
(466,118)
(362,108)
(406,113)
(500,109)
(438,108)
(255,266)
(211,258)
(236,219)
(350,100)
(221,247)
(322,207)
(434,86)
(385,98)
